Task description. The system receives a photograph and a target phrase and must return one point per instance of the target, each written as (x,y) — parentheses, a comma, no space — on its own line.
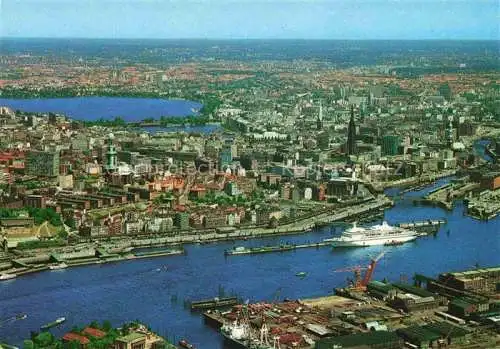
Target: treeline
(196,120)
(40,215)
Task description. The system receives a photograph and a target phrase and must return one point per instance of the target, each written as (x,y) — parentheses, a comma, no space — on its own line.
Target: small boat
(185,344)
(57,322)
(301,274)
(58,266)
(7,276)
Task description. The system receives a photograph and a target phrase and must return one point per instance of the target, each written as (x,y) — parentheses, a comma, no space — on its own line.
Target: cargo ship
(379,234)
(239,336)
(55,323)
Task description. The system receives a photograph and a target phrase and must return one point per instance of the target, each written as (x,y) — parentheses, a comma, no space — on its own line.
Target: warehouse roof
(418,334)
(414,290)
(368,338)
(446,329)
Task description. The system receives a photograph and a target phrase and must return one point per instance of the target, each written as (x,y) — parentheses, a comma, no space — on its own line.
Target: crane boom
(371,267)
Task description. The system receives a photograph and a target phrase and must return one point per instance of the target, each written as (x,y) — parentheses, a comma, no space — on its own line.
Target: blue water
(135,290)
(94,108)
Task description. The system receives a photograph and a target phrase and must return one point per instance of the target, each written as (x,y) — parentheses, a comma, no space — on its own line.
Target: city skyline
(225,19)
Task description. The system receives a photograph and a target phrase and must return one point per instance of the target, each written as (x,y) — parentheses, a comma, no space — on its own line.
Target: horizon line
(240,38)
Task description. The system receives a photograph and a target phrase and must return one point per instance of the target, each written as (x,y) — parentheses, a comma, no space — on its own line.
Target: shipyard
(456,310)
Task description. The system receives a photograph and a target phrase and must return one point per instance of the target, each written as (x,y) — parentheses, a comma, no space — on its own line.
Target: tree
(28,344)
(44,339)
(106,325)
(273,222)
(62,234)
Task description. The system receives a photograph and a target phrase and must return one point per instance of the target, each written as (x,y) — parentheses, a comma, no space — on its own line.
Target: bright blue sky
(309,19)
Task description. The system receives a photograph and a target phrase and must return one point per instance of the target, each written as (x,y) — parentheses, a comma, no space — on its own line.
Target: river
(136,290)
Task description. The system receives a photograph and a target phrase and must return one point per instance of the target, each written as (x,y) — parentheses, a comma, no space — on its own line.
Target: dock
(214,303)
(268,249)
(422,224)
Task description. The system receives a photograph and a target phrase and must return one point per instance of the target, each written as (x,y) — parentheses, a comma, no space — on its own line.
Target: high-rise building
(42,163)
(351,135)
(226,154)
(111,154)
(450,137)
(390,145)
(319,122)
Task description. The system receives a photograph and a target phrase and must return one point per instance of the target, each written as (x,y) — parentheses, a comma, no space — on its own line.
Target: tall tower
(110,155)
(351,135)
(449,133)
(319,121)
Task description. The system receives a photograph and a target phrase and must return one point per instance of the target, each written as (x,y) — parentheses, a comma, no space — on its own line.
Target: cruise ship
(380,234)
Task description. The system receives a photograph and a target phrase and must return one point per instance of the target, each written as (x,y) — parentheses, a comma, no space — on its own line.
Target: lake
(94,108)
(136,290)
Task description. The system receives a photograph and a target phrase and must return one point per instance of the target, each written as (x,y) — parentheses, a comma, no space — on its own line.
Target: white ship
(380,234)
(58,266)
(7,276)
(238,335)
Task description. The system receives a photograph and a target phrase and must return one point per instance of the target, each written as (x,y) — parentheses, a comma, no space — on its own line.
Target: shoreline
(297,228)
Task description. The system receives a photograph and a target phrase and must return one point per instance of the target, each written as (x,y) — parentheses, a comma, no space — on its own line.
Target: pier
(422,224)
(213,303)
(268,249)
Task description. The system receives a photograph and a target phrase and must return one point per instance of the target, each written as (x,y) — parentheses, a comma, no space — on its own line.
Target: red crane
(360,284)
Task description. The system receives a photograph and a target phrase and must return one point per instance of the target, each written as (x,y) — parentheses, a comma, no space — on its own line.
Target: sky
(255,19)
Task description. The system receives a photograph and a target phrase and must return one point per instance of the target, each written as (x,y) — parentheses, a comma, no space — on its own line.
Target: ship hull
(372,242)
(231,343)
(7,277)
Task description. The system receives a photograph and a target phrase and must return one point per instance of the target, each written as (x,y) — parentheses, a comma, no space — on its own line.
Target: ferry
(7,276)
(55,323)
(380,234)
(58,266)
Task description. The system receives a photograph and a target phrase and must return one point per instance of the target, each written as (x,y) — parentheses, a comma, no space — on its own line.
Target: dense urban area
(294,143)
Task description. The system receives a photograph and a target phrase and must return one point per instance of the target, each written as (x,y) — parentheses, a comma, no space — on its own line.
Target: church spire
(351,135)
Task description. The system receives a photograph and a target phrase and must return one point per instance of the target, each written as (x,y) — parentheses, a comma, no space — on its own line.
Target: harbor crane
(360,283)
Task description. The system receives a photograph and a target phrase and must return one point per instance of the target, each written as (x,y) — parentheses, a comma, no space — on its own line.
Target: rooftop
(132,337)
(94,332)
(70,337)
(369,338)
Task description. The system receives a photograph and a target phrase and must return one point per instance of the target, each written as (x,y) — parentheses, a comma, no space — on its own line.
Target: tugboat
(185,344)
(55,323)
